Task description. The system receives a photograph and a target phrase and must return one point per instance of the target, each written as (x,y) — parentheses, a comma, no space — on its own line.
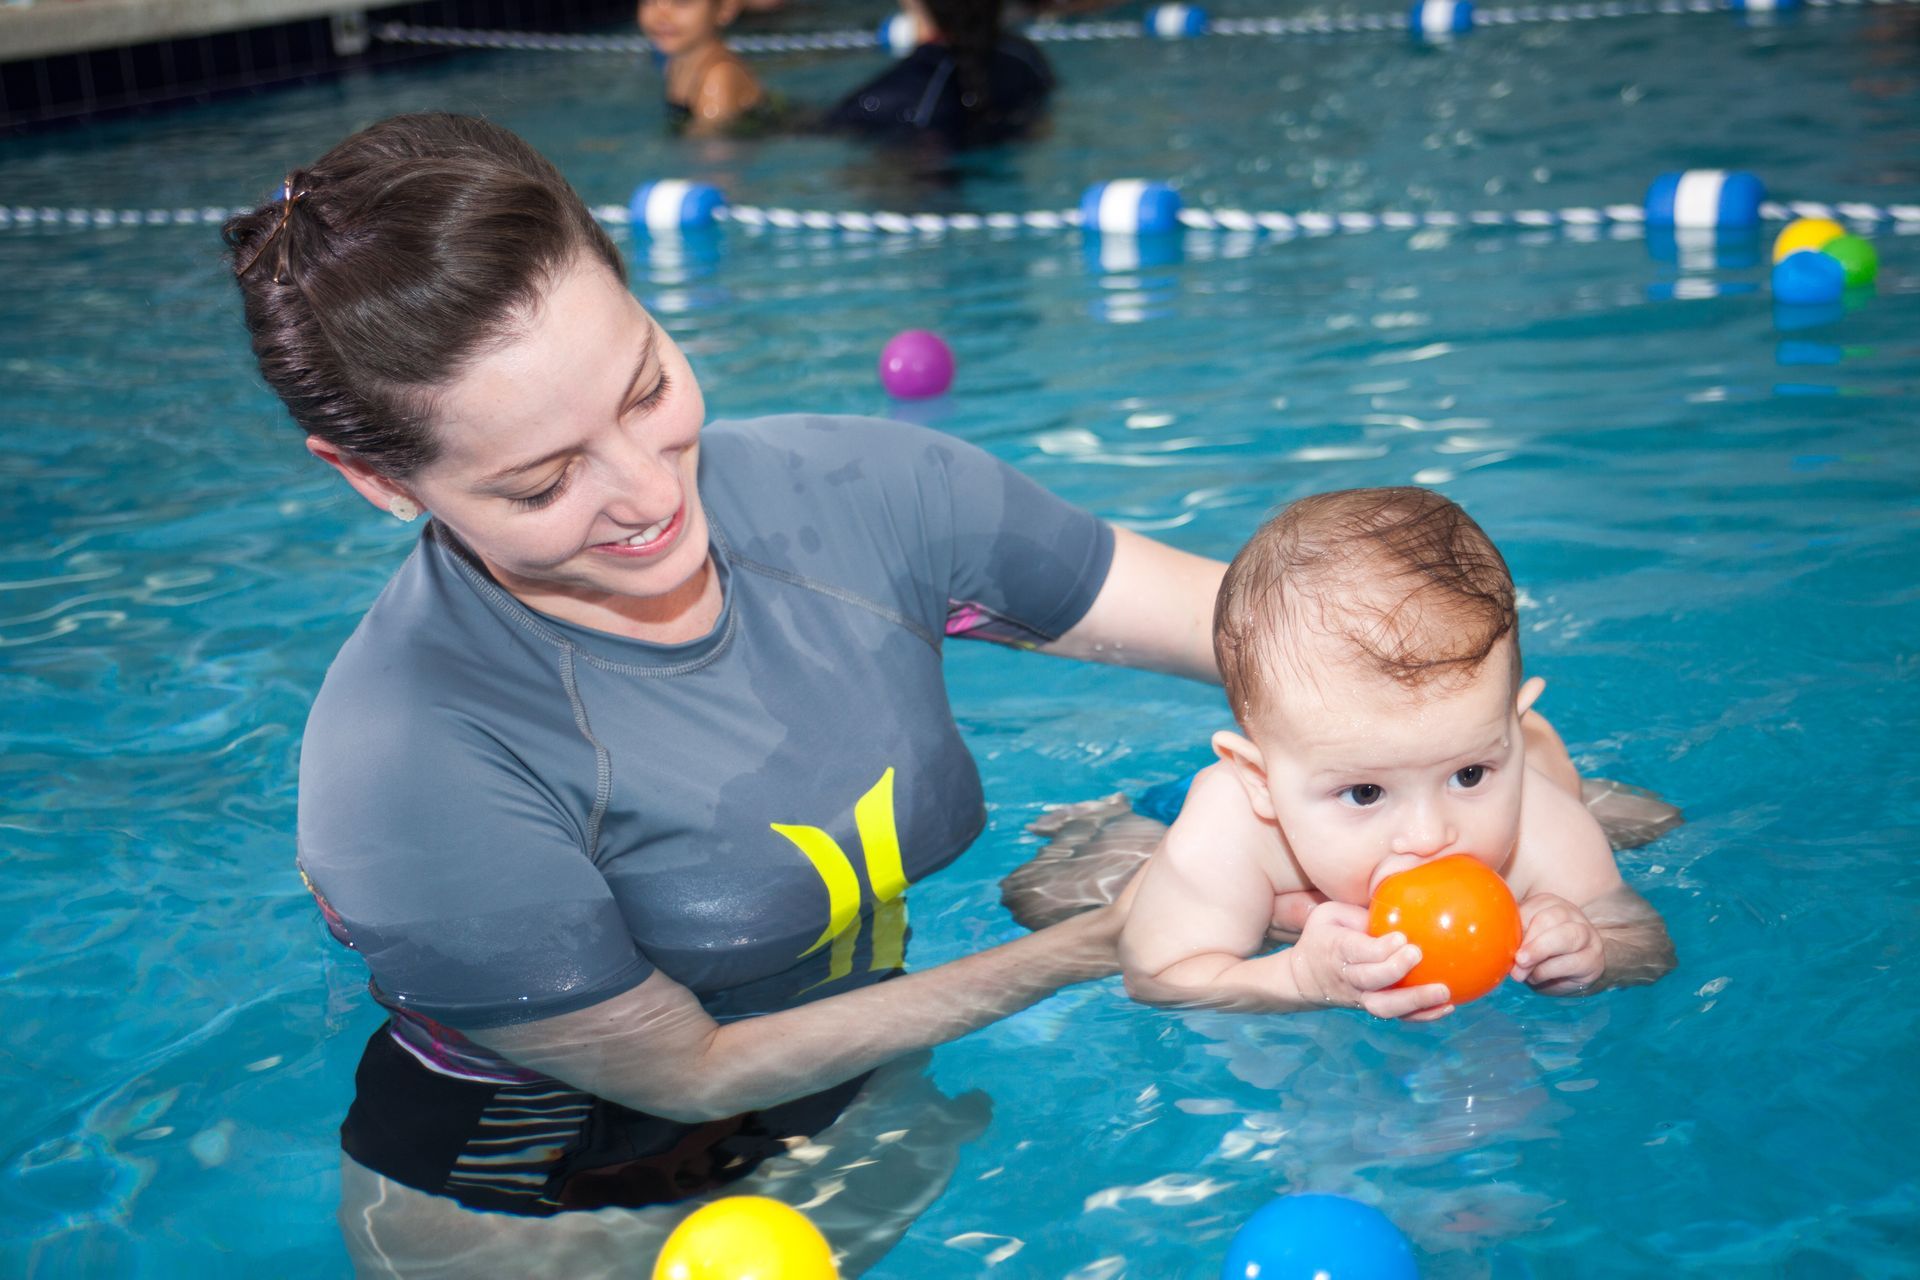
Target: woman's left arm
(1154,610)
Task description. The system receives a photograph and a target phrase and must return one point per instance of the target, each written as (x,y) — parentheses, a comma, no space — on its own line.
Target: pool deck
(47,28)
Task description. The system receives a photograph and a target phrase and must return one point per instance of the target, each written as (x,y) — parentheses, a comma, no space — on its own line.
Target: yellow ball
(746,1238)
(1806,233)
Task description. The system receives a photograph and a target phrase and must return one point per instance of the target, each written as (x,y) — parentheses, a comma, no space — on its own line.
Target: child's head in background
(1369,645)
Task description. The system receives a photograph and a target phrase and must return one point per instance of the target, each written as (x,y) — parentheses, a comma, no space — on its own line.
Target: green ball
(1856,255)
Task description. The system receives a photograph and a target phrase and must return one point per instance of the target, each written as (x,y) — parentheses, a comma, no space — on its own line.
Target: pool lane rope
(1426,19)
(1695,199)
(1703,199)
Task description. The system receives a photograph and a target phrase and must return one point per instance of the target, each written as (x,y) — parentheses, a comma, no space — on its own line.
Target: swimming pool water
(1714,520)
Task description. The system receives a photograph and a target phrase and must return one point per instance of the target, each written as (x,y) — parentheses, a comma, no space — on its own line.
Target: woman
(967,83)
(618,784)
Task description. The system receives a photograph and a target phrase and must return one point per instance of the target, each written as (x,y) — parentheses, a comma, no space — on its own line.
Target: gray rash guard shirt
(511,817)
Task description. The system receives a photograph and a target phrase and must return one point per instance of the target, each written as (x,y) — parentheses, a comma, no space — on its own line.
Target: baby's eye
(1471,776)
(1363,794)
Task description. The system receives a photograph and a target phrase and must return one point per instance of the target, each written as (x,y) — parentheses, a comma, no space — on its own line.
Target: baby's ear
(1529,692)
(1249,767)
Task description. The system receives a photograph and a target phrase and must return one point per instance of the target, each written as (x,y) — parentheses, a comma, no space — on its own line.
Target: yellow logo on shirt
(880,848)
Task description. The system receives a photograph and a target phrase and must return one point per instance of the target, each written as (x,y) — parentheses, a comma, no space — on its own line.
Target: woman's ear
(1249,766)
(368,483)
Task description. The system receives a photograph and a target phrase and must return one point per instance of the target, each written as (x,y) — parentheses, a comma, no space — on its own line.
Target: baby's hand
(1561,953)
(1290,912)
(1338,964)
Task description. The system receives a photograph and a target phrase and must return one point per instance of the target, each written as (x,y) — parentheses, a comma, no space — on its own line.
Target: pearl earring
(405,510)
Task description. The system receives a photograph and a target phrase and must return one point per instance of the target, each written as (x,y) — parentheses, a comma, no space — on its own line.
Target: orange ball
(1461,915)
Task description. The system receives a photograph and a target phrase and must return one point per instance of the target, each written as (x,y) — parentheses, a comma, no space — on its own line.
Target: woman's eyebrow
(518,469)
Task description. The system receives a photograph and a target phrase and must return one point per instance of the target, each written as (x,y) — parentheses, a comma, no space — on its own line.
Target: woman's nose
(640,487)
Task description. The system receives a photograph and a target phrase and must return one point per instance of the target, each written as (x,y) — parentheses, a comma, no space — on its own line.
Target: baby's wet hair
(1401,578)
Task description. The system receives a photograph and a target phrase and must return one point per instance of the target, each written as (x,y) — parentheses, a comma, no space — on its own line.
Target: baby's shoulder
(1219,821)
(1562,849)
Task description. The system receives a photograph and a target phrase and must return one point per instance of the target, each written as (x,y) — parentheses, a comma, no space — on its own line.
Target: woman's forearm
(1236,984)
(656,1049)
(1635,938)
(1636,954)
(760,1061)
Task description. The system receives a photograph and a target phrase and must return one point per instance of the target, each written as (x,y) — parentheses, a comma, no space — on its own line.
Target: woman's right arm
(653,1048)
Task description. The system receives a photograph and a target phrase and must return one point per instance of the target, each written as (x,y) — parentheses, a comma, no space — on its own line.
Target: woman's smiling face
(568,458)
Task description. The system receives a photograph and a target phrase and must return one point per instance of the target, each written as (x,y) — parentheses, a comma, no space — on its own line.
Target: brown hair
(972,32)
(1402,576)
(392,261)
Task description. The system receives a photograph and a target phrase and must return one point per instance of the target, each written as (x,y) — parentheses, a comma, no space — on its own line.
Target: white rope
(1073,32)
(29,216)
(1902,217)
(1311,222)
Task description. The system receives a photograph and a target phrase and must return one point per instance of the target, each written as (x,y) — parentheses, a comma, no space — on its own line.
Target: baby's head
(1370,650)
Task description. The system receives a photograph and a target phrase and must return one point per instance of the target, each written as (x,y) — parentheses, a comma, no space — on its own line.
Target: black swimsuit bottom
(544,1148)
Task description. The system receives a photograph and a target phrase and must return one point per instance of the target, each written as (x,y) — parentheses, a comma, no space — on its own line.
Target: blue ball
(1319,1237)
(1808,278)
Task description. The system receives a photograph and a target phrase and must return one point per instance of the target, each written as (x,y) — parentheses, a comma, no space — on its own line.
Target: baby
(1369,646)
(709,90)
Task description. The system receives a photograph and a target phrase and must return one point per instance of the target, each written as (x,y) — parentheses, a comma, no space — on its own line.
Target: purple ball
(916,364)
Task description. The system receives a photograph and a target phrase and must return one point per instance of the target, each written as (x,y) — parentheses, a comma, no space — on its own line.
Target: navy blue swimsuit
(921,96)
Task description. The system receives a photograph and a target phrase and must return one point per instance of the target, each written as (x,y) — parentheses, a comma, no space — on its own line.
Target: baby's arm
(1204,905)
(1585,928)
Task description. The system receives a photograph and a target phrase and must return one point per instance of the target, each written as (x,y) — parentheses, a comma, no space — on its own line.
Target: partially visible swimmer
(968,83)
(709,89)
